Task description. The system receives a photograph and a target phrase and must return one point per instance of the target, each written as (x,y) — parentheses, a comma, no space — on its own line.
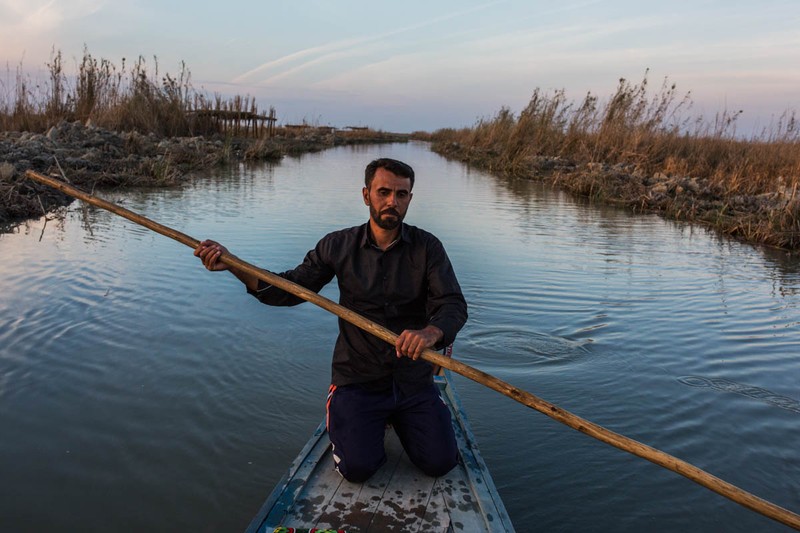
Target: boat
(399,497)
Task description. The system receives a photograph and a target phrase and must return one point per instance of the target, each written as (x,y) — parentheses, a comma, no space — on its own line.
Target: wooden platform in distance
(397,498)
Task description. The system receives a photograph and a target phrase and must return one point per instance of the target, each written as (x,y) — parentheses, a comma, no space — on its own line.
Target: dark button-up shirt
(408,286)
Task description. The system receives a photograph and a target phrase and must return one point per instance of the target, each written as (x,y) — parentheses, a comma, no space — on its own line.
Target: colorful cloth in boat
(284,529)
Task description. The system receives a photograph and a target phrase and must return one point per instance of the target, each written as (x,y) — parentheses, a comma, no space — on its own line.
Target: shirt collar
(367,240)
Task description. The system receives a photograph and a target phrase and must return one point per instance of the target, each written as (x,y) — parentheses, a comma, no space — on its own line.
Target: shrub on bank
(129,98)
(647,152)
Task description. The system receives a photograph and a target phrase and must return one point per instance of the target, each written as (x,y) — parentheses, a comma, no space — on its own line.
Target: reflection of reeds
(649,138)
(129,98)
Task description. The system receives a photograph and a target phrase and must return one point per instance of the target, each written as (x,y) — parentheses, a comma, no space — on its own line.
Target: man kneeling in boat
(398,276)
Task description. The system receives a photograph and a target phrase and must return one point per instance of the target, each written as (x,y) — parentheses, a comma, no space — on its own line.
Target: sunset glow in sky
(423,65)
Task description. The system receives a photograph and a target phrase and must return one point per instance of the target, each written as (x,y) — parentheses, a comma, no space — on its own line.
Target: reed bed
(131,97)
(131,126)
(644,149)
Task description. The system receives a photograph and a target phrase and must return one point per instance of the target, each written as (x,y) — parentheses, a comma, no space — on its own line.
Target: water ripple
(514,350)
(757,393)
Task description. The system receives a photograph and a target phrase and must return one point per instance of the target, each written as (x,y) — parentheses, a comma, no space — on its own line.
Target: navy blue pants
(357,420)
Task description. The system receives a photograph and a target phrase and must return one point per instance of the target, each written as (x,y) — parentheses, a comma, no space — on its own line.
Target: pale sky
(423,65)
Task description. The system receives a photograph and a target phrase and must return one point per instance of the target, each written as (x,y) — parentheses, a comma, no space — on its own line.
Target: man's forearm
(250,281)
(436,332)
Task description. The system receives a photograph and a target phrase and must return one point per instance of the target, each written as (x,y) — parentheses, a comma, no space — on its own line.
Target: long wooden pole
(644,451)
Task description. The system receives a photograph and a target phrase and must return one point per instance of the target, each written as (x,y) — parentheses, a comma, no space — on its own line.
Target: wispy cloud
(318,51)
(37,16)
(31,21)
(316,55)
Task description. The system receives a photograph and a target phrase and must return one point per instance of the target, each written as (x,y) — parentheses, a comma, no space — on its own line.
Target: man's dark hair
(392,165)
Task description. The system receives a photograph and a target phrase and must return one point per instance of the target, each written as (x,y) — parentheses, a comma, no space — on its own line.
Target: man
(400,277)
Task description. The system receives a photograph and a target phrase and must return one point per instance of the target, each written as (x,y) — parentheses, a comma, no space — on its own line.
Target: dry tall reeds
(128,98)
(648,151)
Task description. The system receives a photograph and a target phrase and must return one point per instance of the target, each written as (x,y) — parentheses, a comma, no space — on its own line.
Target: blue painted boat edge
(283,491)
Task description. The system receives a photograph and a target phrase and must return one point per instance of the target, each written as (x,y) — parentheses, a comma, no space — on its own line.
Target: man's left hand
(412,342)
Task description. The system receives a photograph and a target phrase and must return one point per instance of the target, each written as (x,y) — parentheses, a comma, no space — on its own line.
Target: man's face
(388,198)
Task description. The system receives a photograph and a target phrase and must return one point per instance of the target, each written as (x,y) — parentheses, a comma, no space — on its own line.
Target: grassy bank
(130,97)
(131,126)
(138,97)
(644,149)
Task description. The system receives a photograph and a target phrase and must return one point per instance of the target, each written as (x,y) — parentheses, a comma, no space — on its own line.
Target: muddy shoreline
(95,157)
(771,219)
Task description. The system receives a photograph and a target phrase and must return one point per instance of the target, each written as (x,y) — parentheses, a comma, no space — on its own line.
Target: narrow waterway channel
(139,392)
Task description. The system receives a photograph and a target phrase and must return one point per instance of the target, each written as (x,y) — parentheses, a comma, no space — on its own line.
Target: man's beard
(386,223)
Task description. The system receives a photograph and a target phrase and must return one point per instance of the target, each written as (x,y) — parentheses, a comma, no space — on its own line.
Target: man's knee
(356,474)
(437,466)
(355,470)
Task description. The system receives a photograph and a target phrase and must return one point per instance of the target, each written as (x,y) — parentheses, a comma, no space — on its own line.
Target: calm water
(139,392)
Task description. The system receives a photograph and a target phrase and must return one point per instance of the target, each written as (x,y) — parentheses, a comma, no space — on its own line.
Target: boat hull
(398,497)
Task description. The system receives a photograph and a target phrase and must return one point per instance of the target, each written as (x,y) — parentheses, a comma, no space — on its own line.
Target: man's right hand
(209,252)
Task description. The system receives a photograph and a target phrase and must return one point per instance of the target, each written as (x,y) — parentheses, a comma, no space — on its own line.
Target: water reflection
(784,268)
